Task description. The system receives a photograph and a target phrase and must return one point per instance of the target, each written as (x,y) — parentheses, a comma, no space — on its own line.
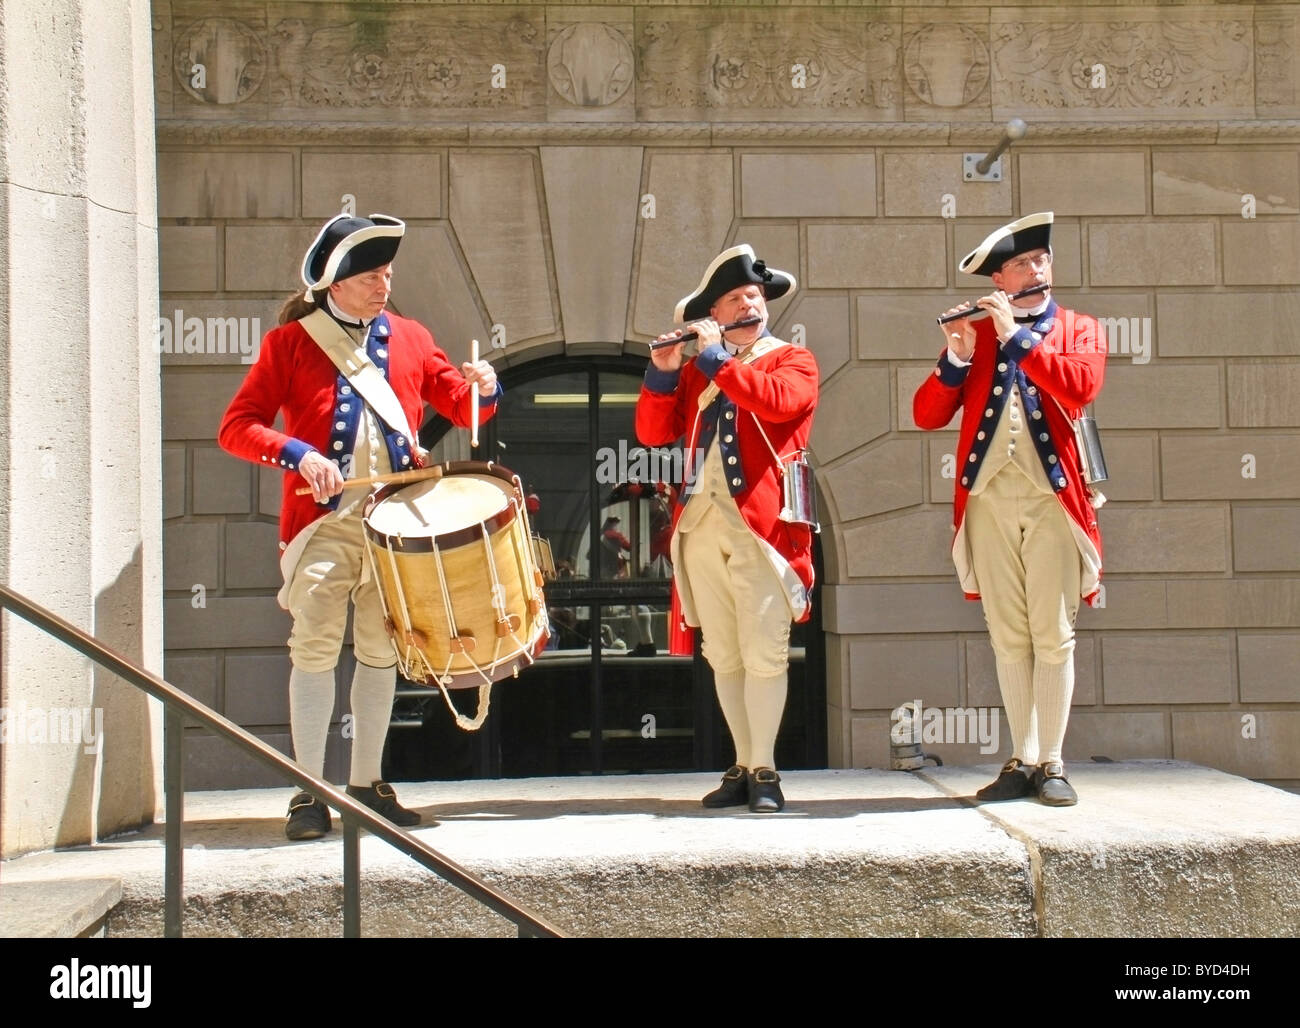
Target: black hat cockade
(348,246)
(1032,232)
(729,270)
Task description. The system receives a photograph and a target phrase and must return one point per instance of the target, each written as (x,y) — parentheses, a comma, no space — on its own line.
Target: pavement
(1155,848)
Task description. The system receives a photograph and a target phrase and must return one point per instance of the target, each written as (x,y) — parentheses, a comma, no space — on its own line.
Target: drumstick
(473,403)
(414,475)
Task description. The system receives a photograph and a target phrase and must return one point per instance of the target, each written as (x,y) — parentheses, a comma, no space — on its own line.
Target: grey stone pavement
(1154,848)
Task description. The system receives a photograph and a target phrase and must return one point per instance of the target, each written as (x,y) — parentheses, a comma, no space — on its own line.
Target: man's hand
(1004,318)
(669,358)
(959,336)
(322,475)
(483,374)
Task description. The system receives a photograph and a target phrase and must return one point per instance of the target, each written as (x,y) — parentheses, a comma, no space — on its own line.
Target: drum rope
(452,631)
(401,599)
(484,705)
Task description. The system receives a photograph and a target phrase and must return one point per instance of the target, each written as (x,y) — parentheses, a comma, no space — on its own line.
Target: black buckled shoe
(1054,788)
(1012,783)
(734,790)
(380,798)
(765,791)
(309,818)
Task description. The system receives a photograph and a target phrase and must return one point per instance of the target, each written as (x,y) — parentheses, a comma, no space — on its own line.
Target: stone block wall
(567,170)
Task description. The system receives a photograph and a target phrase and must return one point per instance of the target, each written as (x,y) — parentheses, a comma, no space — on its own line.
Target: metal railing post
(351,879)
(174,811)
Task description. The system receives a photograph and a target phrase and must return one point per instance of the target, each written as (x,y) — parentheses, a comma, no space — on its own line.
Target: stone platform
(1154,848)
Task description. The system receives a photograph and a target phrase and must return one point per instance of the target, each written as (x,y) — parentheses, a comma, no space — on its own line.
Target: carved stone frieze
(1138,63)
(341,57)
(1277,82)
(791,64)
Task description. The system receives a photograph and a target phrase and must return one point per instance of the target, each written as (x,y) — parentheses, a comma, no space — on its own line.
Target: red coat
(779,389)
(292,375)
(1063,357)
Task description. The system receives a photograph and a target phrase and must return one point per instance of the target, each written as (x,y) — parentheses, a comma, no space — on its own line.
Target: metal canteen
(1092,461)
(799,494)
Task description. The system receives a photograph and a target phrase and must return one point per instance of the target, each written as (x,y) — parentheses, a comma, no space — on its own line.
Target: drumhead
(440,506)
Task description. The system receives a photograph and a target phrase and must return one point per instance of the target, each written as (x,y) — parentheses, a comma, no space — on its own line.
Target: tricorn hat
(348,246)
(729,270)
(1032,232)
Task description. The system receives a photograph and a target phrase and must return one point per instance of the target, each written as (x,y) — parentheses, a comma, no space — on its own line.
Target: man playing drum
(352,382)
(745,404)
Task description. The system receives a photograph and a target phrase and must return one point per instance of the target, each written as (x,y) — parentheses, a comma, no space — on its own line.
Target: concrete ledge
(68,908)
(1154,848)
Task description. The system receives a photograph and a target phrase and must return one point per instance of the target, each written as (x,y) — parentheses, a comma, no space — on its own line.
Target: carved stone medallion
(219,61)
(946,64)
(590,64)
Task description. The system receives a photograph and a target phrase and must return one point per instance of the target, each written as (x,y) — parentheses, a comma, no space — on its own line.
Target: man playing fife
(744,404)
(1026,542)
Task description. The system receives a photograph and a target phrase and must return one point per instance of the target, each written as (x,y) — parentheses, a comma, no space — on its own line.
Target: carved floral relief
(1184,66)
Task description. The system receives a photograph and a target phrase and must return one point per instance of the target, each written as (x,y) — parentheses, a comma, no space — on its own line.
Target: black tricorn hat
(348,246)
(729,270)
(1032,232)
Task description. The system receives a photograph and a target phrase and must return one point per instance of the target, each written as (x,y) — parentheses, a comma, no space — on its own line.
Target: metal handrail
(355,816)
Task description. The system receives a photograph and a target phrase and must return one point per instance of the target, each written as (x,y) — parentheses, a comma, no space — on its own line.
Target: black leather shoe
(380,798)
(1054,788)
(309,818)
(765,791)
(1011,784)
(734,790)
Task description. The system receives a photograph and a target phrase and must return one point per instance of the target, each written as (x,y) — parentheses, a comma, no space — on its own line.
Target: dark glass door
(606,696)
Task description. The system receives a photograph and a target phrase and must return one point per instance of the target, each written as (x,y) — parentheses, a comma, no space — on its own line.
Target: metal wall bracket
(971,173)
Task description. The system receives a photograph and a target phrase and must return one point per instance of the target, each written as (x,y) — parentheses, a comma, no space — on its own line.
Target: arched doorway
(606,697)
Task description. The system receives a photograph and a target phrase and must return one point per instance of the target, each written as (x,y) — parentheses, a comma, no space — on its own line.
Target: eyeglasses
(1043,260)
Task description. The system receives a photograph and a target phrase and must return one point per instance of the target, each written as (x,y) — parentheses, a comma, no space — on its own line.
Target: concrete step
(1154,848)
(57,908)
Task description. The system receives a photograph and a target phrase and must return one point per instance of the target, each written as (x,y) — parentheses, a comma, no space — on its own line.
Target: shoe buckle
(385,791)
(1014,764)
(1053,770)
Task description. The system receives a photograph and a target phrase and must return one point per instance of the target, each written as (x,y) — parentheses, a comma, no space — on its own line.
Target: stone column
(80,461)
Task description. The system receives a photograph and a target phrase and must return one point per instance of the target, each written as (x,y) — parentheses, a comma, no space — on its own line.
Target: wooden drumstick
(473,403)
(414,475)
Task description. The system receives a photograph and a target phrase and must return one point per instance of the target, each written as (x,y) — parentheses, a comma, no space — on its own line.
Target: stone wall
(80,510)
(566,171)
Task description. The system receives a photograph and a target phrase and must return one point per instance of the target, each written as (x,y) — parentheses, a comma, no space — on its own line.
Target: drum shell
(408,569)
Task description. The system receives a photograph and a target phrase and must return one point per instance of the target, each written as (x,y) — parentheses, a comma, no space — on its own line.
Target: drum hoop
(459,537)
